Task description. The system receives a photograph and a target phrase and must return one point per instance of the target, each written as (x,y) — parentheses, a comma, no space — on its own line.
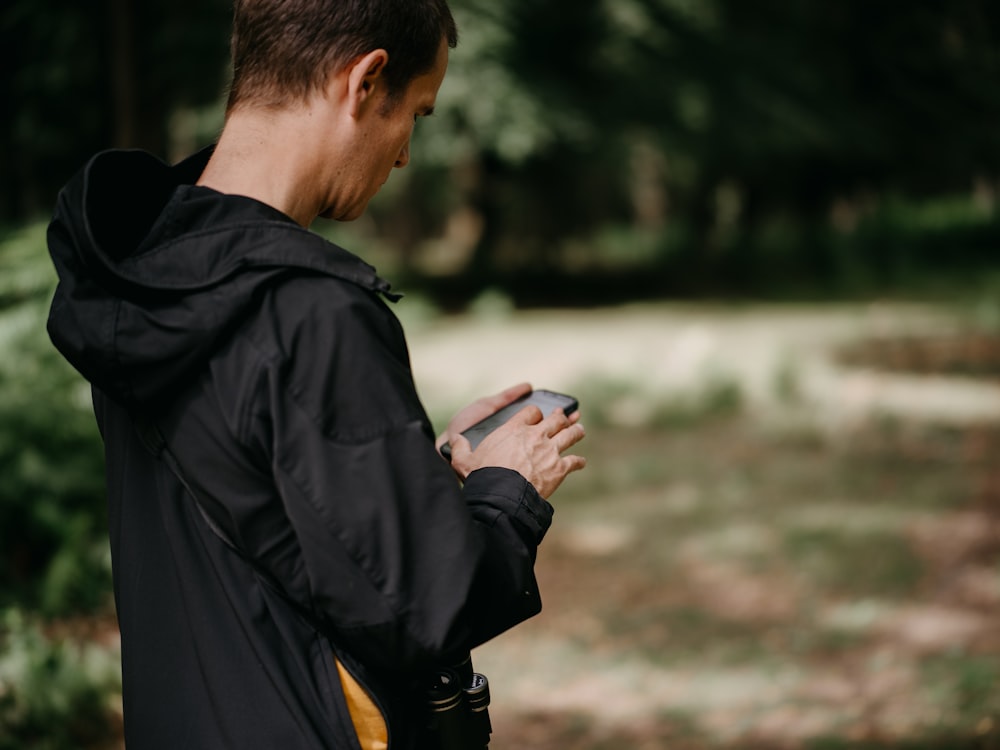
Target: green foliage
(53,542)
(53,694)
(984,302)
(969,684)
(766,160)
(866,563)
(25,275)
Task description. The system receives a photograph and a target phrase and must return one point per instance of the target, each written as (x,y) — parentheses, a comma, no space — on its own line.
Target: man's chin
(349,215)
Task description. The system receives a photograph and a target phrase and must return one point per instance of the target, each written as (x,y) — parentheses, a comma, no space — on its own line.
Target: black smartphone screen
(547,401)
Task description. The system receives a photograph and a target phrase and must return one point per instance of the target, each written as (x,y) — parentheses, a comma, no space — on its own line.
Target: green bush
(53,540)
(54,695)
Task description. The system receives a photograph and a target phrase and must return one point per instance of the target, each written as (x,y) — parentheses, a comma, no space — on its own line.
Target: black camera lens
(477,695)
(458,700)
(445,692)
(478,692)
(448,710)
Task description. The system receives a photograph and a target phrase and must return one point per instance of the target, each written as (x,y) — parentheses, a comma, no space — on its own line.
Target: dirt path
(662,350)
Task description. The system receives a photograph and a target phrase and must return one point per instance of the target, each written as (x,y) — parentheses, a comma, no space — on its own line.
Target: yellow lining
(369,724)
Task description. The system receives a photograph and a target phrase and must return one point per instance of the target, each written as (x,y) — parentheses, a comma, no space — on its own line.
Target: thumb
(461,455)
(460,446)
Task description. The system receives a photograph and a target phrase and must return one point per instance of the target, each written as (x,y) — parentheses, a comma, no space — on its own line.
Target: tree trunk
(124,95)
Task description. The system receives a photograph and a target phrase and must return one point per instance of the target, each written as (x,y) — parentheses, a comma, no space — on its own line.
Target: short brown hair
(284,50)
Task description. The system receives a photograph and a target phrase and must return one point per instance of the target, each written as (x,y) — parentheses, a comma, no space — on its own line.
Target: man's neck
(265,155)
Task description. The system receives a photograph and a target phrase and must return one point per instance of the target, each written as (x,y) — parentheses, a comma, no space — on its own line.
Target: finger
(461,448)
(529,415)
(556,422)
(484,407)
(508,396)
(570,436)
(515,392)
(574,463)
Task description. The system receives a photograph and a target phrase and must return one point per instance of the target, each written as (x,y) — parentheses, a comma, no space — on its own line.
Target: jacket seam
(294,391)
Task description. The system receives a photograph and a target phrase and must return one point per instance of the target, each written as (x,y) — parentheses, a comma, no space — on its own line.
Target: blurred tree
(83,77)
(802,104)
(519,132)
(706,124)
(717,116)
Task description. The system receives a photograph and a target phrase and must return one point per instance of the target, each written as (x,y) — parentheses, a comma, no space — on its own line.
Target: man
(292,556)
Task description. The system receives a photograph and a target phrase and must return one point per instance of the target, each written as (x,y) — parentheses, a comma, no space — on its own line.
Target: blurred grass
(774,575)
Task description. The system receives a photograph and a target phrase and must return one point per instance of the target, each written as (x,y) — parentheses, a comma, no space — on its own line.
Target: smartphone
(547,401)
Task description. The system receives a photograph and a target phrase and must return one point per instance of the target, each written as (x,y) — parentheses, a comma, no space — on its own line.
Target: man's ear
(365,76)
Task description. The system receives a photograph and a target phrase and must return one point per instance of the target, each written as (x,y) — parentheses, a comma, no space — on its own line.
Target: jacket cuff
(509,492)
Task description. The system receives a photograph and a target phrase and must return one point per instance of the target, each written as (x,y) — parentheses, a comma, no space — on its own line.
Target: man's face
(384,138)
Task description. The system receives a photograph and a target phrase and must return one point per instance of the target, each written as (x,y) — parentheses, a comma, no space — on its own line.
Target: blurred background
(759,240)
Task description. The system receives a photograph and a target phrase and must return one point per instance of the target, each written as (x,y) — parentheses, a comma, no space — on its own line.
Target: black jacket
(280,379)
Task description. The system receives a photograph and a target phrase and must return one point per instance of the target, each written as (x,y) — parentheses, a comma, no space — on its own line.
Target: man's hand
(479,410)
(527,443)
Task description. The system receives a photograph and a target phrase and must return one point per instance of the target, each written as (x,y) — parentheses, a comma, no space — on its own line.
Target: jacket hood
(154,272)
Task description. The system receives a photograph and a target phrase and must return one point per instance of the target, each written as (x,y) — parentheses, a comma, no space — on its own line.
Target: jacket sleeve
(408,568)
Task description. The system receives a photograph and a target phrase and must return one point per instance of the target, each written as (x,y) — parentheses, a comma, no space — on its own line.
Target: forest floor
(787,536)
